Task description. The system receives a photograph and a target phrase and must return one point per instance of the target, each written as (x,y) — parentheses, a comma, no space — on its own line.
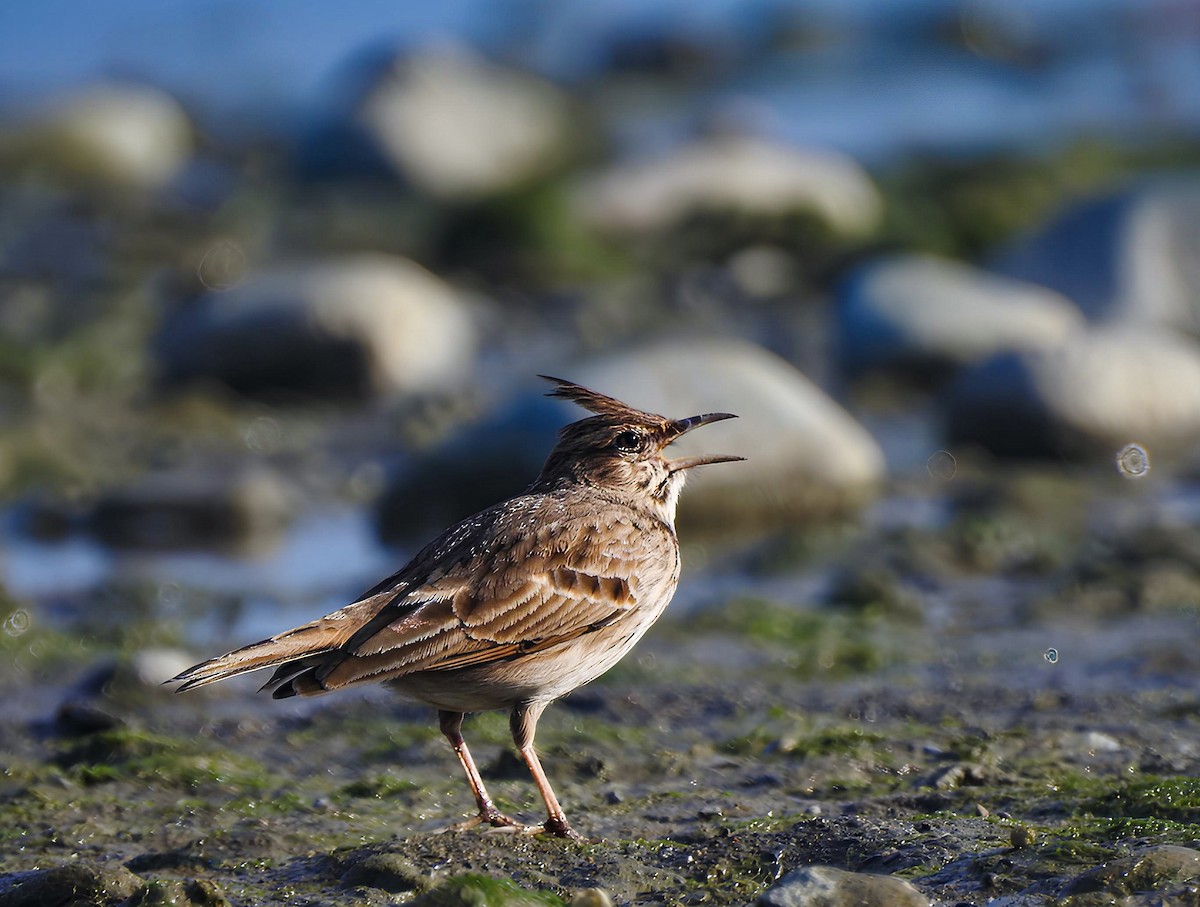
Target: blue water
(325,559)
(870,77)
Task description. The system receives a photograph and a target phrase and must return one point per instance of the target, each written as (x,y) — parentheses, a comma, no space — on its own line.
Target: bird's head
(619,451)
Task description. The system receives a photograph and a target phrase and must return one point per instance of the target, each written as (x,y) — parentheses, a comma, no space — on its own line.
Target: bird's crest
(592,401)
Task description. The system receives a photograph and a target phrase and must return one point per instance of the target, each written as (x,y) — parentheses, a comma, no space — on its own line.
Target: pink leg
(524,725)
(451,723)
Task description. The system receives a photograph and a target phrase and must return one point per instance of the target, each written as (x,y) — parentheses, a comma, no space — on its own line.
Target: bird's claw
(542,828)
(492,817)
(506,825)
(557,825)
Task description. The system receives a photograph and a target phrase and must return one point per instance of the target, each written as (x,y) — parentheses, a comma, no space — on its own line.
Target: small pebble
(1021,837)
(592,897)
(829,885)
(1099,742)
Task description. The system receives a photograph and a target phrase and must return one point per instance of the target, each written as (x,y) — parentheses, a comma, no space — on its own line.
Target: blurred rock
(926,316)
(120,135)
(473,889)
(342,328)
(731,173)
(123,682)
(242,509)
(806,456)
(386,871)
(480,465)
(762,272)
(74,883)
(1154,869)
(150,666)
(824,886)
(1092,395)
(870,584)
(78,718)
(952,777)
(1131,255)
(449,122)
(1085,745)
(592,897)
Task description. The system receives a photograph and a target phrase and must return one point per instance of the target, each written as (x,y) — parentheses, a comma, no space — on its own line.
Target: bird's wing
(521,594)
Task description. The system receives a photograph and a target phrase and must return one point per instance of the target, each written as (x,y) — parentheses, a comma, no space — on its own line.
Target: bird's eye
(627,442)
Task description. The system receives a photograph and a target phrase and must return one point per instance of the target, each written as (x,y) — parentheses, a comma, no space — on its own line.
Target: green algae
(966,206)
(1149,830)
(1159,798)
(810,642)
(128,754)
(477,890)
(379,787)
(799,740)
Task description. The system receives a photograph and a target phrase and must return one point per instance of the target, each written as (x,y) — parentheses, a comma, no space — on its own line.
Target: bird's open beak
(681,427)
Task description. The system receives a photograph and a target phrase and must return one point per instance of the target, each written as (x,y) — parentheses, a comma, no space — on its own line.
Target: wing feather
(490,589)
(534,602)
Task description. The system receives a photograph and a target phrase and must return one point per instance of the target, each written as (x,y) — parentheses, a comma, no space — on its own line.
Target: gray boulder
(1131,255)
(240,509)
(824,886)
(352,327)
(1092,395)
(447,121)
(807,457)
(123,136)
(734,173)
(925,315)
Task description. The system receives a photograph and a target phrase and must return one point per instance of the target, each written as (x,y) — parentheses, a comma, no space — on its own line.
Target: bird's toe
(558,826)
(493,817)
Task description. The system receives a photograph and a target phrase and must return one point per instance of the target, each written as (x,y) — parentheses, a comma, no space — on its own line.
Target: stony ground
(991,703)
(977,766)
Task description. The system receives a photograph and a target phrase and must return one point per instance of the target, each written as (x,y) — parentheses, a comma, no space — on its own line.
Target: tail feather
(303,681)
(291,653)
(270,653)
(299,677)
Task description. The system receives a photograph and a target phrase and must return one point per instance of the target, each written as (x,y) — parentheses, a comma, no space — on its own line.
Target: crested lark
(518,605)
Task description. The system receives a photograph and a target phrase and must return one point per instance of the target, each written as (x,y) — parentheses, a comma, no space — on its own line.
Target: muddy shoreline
(701,772)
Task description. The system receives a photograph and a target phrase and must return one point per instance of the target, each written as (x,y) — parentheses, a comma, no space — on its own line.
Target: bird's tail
(292,653)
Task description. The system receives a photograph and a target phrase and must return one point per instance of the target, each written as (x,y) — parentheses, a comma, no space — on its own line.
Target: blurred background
(276,279)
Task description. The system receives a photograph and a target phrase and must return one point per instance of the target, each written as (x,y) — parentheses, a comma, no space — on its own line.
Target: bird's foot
(544,828)
(489,816)
(557,825)
(502,824)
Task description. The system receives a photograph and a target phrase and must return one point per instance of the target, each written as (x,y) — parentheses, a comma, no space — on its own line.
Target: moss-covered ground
(963,780)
